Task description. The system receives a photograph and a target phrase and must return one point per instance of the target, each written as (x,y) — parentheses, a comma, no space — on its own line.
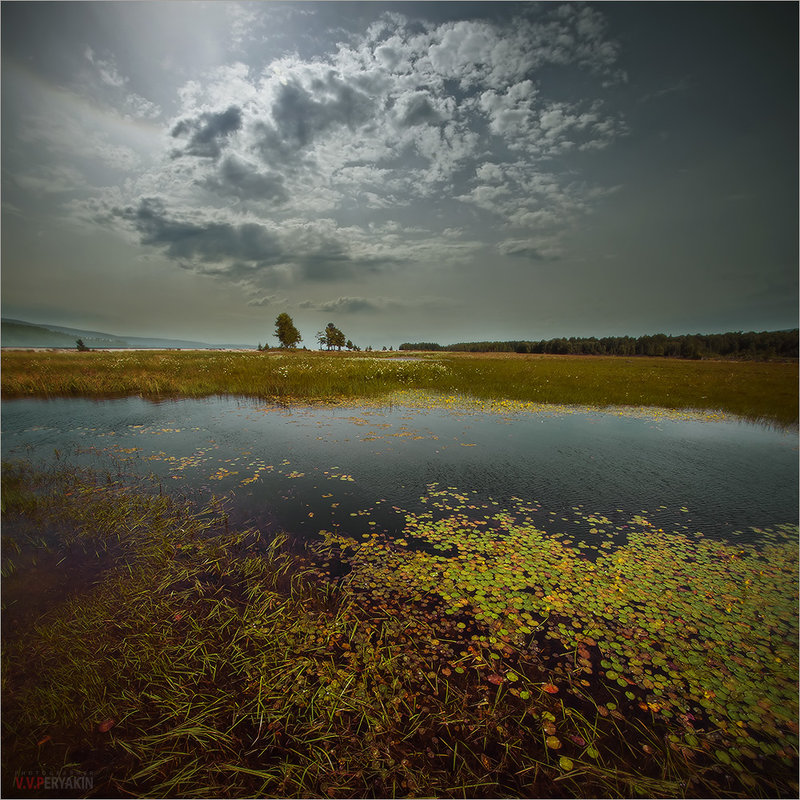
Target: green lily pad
(722,756)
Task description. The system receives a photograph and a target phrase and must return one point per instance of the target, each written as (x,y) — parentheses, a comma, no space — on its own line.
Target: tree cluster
(750,345)
(289,337)
(332,338)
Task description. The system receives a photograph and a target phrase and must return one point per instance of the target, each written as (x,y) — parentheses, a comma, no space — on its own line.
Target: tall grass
(207,661)
(755,390)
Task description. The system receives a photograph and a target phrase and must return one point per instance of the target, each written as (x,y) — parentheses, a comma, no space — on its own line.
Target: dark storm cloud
(192,241)
(526,250)
(207,131)
(237,251)
(374,124)
(509,161)
(419,111)
(330,260)
(329,263)
(301,115)
(351,305)
(237,178)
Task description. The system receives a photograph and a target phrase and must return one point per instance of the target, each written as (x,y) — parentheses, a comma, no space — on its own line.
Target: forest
(737,345)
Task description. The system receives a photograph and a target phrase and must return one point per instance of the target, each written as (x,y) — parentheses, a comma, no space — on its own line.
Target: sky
(435,172)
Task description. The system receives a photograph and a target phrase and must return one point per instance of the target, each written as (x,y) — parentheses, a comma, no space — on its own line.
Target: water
(306,469)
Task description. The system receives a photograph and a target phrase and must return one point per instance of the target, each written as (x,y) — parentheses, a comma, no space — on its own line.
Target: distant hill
(16,333)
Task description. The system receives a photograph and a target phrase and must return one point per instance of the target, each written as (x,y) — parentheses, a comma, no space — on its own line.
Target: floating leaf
(553,742)
(722,756)
(550,688)
(565,763)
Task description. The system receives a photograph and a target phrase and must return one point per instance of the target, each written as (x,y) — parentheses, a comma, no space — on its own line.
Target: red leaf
(550,688)
(106,725)
(495,678)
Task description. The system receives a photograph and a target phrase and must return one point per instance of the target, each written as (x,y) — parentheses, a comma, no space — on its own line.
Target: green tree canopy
(286,332)
(334,337)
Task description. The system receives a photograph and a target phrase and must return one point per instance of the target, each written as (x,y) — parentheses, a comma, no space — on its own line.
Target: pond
(352,468)
(628,577)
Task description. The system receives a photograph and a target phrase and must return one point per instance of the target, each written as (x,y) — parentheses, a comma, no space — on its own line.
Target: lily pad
(722,756)
(553,742)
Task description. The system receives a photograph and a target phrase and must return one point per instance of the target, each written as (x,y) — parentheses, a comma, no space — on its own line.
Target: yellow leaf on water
(553,742)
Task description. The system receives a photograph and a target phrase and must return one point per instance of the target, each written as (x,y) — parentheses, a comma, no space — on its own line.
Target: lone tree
(81,346)
(286,332)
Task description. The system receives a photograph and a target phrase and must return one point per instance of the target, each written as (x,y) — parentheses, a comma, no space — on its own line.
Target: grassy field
(191,659)
(756,390)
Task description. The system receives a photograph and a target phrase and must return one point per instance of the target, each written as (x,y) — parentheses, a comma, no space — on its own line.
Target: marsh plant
(470,658)
(759,391)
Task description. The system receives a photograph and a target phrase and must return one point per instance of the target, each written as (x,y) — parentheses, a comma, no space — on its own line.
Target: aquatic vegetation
(466,648)
(681,628)
(755,390)
(471,656)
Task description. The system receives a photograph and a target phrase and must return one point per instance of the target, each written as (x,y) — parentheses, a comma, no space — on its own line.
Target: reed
(763,391)
(200,660)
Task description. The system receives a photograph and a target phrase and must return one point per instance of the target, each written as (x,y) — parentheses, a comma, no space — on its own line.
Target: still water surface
(305,469)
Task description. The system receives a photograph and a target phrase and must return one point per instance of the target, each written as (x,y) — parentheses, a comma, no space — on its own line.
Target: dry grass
(755,390)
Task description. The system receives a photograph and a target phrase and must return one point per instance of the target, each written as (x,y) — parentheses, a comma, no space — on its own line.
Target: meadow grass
(764,391)
(203,660)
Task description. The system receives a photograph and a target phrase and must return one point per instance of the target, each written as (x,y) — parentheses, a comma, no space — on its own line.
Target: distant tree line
(750,345)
